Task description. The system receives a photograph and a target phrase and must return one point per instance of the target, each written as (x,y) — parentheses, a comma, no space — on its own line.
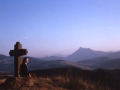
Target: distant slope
(53,58)
(111,64)
(113,55)
(85,56)
(94,63)
(85,53)
(102,62)
(7,64)
(60,55)
(58,64)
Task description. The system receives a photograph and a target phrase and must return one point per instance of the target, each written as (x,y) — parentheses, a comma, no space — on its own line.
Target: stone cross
(17,53)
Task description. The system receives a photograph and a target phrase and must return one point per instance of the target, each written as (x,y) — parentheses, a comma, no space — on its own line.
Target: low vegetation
(65,79)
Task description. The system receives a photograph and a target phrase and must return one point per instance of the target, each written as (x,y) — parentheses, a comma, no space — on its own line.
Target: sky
(48,27)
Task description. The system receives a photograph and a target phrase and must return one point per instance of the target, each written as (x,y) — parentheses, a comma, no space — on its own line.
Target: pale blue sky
(47,27)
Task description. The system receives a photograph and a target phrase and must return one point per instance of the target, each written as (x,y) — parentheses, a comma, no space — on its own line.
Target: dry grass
(53,83)
(60,80)
(32,84)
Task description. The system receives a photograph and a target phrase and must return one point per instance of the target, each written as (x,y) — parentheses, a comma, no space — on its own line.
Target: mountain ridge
(85,53)
(6,62)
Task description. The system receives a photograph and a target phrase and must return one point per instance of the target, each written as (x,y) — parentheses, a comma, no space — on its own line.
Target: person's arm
(27,73)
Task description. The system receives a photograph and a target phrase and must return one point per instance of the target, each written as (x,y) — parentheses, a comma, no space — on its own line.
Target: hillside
(6,64)
(66,79)
(106,62)
(58,64)
(101,62)
(95,62)
(113,55)
(53,58)
(111,64)
(100,77)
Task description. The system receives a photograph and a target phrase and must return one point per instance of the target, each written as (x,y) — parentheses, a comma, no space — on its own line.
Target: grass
(53,83)
(69,80)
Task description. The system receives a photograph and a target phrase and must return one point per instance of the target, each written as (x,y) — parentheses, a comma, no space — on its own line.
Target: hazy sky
(46,27)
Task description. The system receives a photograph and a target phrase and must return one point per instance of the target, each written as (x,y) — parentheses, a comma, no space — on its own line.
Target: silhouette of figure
(24,68)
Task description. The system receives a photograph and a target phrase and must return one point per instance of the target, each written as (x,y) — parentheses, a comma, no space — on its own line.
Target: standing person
(24,68)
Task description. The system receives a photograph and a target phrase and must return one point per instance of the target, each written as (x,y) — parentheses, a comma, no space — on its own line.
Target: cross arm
(18,52)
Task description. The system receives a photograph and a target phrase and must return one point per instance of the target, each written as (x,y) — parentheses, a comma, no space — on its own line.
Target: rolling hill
(83,58)
(7,64)
(102,62)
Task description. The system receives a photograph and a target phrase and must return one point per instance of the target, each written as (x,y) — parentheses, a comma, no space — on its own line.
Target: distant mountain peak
(81,48)
(85,53)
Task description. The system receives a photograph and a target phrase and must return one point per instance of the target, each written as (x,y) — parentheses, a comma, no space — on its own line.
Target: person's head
(25,60)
